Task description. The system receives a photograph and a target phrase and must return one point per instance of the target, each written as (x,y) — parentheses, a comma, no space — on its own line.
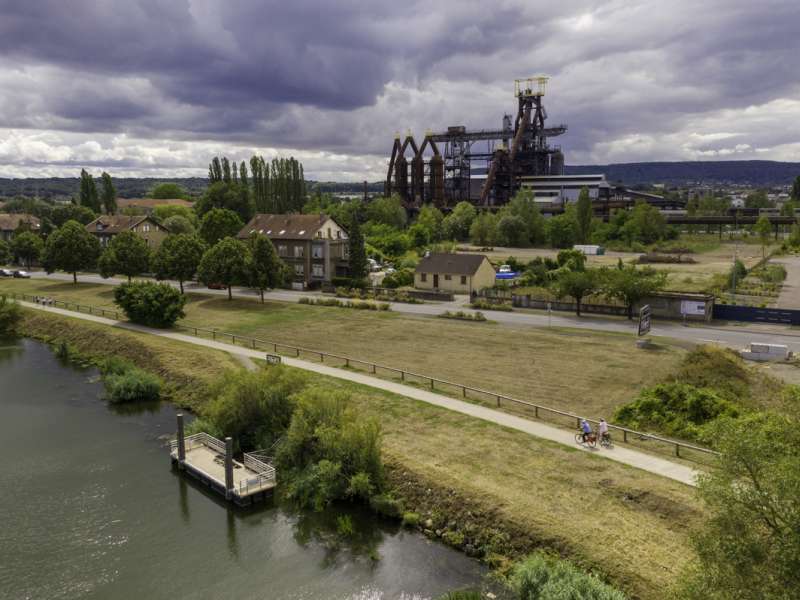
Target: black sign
(644,320)
(273,359)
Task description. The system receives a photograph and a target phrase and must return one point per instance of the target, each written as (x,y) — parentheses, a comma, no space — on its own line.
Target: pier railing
(465,391)
(266,472)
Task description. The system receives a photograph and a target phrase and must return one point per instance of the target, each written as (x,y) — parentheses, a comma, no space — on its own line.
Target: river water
(91,509)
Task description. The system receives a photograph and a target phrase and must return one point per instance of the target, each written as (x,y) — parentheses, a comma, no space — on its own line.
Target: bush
(386,505)
(399,278)
(486,305)
(677,409)
(361,486)
(10,316)
(410,519)
(541,577)
(329,451)
(462,595)
(151,304)
(133,385)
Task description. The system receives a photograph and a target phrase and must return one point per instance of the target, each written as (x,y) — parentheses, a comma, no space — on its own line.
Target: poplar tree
(584,216)
(109,194)
(88,192)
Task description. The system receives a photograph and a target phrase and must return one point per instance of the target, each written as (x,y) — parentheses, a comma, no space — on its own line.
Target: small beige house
(455,273)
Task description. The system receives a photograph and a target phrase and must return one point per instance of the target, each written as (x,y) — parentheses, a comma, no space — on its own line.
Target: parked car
(6,273)
(22,275)
(389,270)
(504,269)
(373,265)
(217,286)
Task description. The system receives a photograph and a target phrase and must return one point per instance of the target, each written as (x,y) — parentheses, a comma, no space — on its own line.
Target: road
(647,462)
(790,291)
(735,336)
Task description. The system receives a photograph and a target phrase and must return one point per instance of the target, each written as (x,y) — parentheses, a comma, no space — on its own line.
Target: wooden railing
(466,391)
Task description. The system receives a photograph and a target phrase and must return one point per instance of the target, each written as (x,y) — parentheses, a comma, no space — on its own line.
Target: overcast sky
(157,87)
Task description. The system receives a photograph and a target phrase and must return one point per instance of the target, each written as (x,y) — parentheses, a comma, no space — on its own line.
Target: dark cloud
(639,77)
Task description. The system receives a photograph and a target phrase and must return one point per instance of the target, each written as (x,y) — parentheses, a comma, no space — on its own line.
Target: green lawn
(586,372)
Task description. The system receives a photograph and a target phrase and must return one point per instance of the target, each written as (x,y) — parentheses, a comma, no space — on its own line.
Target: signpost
(273,359)
(644,320)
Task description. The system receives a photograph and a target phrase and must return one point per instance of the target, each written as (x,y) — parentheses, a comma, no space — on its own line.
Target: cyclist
(586,429)
(602,429)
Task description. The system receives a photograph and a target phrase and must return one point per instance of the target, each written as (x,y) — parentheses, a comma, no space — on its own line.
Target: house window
(282,250)
(299,270)
(338,234)
(298,252)
(319,233)
(318,270)
(329,233)
(423,277)
(463,280)
(145,228)
(447,277)
(317,251)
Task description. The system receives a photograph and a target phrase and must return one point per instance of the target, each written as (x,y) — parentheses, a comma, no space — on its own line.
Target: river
(92,509)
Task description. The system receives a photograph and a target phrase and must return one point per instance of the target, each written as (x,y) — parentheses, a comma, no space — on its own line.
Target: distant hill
(756,173)
(66,187)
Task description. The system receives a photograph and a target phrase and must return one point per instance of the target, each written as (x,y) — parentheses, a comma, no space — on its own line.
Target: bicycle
(605,441)
(590,441)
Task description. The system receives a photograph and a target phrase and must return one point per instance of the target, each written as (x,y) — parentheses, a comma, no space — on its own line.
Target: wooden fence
(434,383)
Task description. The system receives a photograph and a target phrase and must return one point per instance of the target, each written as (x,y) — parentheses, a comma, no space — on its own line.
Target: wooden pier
(210,461)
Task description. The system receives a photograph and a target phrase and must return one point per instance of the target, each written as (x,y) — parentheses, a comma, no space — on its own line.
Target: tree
(483,231)
(523,205)
(5,253)
(109,196)
(225,195)
(178,224)
(219,223)
(88,192)
(225,263)
(796,189)
(162,212)
(149,303)
(10,316)
(70,248)
(631,285)
(512,231)
(264,268)
(749,546)
(168,191)
(388,211)
(763,228)
(584,215)
(577,285)
(645,224)
(430,219)
(27,246)
(126,254)
(758,199)
(178,257)
(562,230)
(71,212)
(358,253)
(456,225)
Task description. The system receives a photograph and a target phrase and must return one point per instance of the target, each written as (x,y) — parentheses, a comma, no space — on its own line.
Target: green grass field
(581,371)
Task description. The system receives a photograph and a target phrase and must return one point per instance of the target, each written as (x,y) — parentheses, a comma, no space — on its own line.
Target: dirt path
(640,460)
(790,292)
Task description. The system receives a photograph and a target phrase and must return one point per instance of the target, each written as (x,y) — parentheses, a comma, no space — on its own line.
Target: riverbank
(484,488)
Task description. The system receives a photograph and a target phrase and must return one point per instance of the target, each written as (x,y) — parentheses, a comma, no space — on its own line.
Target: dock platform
(210,461)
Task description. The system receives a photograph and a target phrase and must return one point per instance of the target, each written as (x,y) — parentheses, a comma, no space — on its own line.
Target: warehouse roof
(451,264)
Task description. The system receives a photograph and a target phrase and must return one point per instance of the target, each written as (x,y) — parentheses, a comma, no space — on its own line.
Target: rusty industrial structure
(488,175)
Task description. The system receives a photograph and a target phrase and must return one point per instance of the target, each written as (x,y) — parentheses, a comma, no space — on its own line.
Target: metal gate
(727,312)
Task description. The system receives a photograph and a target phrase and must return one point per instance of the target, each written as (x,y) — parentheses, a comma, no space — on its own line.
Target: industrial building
(487,167)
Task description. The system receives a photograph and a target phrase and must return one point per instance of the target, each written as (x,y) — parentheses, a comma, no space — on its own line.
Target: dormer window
(99,226)
(301,232)
(281,232)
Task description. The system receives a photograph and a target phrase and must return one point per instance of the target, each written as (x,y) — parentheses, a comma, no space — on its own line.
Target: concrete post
(181,442)
(228,467)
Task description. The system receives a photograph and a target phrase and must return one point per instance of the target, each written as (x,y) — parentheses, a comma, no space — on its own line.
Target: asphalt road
(734,336)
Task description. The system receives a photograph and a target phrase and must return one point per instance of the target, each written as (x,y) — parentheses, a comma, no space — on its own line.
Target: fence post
(578,422)
(233,339)
(625,435)
(347,362)
(431,382)
(195,331)
(214,334)
(498,402)
(276,348)
(464,391)
(373,368)
(402,375)
(536,411)
(321,357)
(254,343)
(677,450)
(297,351)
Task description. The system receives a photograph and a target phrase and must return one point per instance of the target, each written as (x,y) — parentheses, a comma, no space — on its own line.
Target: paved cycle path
(634,458)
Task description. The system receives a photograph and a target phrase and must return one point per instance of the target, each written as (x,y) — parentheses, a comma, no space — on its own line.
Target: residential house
(314,246)
(455,273)
(11,222)
(146,206)
(106,227)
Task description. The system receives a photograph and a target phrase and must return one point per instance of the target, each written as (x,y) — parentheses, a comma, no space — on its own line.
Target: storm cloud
(155,87)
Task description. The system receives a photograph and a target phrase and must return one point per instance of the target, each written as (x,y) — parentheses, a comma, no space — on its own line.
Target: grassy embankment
(586,372)
(472,478)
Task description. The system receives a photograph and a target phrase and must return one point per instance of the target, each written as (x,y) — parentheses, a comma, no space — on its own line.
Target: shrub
(10,316)
(541,577)
(361,486)
(410,519)
(344,526)
(304,300)
(453,538)
(399,278)
(677,409)
(462,595)
(386,505)
(148,303)
(133,385)
(326,445)
(486,305)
